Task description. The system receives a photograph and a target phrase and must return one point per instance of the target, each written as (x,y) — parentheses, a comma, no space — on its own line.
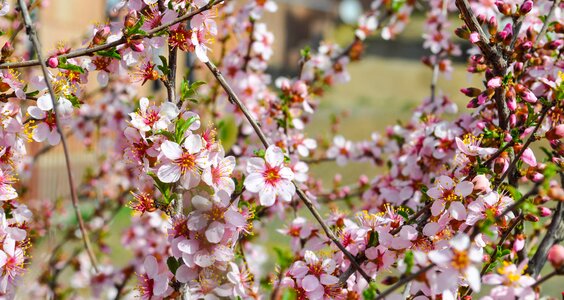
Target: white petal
(171,150)
(274,156)
(44,102)
(169,173)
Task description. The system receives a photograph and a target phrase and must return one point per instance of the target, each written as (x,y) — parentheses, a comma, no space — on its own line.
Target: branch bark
(121,41)
(37,46)
(305,199)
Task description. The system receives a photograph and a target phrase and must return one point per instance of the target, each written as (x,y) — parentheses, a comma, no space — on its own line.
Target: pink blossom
(447,192)
(184,162)
(270,178)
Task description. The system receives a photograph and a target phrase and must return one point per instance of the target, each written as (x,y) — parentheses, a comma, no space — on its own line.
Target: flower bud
(526,7)
(556,256)
(462,32)
(474,37)
(470,92)
(137,46)
(363,180)
(7,50)
(101,36)
(494,82)
(519,243)
(492,25)
(503,7)
(531,218)
(556,133)
(544,211)
(53,62)
(482,184)
(389,280)
(518,67)
(131,19)
(481,19)
(526,46)
(554,45)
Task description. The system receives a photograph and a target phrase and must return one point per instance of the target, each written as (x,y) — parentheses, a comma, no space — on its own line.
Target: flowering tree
(465,200)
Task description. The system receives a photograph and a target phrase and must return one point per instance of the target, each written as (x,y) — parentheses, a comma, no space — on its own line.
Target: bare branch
(123,40)
(305,199)
(35,41)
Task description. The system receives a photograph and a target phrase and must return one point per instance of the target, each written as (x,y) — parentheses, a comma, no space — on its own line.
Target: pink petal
(310,283)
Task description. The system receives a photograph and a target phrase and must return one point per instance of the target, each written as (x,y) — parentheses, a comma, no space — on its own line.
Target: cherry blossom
(269,177)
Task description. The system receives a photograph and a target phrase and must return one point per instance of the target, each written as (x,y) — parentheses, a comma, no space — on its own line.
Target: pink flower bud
(53,62)
(529,96)
(7,50)
(507,137)
(527,45)
(137,47)
(554,44)
(474,37)
(518,67)
(526,7)
(544,211)
(511,103)
(363,180)
(494,82)
(513,120)
(519,243)
(531,218)
(537,177)
(470,92)
(556,256)
(482,98)
(482,184)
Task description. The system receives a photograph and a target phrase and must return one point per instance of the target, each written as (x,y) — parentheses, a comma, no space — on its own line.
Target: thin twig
(525,146)
(554,235)
(123,40)
(548,276)
(35,41)
(305,199)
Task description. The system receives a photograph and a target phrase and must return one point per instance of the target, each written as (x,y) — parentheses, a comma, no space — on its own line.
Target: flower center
(151,117)
(460,259)
(271,176)
(186,162)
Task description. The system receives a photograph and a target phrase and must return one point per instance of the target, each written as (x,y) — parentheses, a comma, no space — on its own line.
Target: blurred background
(386,85)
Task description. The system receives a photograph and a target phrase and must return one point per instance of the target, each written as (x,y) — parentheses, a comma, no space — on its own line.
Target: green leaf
(172,264)
(74,100)
(181,127)
(227,132)
(109,53)
(187,89)
(165,133)
(284,257)
(164,66)
(289,294)
(370,292)
(66,66)
(164,188)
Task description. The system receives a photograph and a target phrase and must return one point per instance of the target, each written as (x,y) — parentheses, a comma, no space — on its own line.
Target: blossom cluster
(448,212)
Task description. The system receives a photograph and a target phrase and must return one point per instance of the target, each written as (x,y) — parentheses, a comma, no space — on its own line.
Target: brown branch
(507,232)
(554,235)
(35,41)
(123,40)
(247,57)
(525,146)
(548,276)
(492,54)
(305,199)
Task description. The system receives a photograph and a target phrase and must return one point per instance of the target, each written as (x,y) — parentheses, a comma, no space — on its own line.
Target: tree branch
(123,40)
(35,41)
(305,199)
(554,235)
